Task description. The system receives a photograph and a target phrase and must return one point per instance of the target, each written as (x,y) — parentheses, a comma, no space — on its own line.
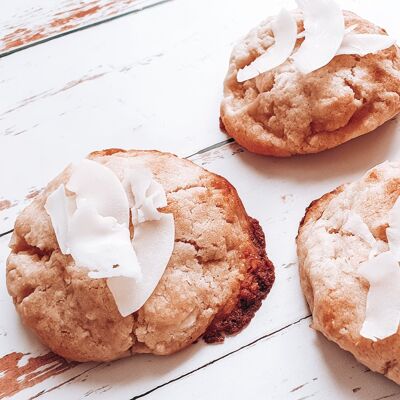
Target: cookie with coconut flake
(214,283)
(339,235)
(283,112)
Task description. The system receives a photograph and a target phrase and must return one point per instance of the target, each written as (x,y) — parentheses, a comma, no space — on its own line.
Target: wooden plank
(24,23)
(294,364)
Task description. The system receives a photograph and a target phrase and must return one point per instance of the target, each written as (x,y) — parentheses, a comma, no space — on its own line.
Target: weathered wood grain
(24,23)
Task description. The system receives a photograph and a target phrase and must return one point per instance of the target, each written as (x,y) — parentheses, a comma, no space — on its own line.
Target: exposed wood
(17,374)
(24,23)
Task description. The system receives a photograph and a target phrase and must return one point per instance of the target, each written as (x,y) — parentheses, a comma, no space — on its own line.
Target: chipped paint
(5,204)
(49,23)
(17,373)
(32,193)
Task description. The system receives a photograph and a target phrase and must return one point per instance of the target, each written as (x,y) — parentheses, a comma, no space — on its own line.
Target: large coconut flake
(383,301)
(92,224)
(101,244)
(60,208)
(324,31)
(99,185)
(284,28)
(130,294)
(363,44)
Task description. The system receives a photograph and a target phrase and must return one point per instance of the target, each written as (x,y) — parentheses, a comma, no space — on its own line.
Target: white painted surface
(153,80)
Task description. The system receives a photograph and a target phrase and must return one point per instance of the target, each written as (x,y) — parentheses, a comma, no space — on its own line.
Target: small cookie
(340,234)
(214,283)
(283,112)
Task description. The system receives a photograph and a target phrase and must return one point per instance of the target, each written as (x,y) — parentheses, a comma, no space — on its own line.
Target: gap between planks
(222,357)
(140,7)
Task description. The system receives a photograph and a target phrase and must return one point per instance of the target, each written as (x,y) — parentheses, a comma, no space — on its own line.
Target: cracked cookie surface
(215,281)
(329,258)
(283,113)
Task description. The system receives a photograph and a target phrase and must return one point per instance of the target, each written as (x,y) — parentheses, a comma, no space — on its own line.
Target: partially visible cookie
(283,112)
(330,255)
(213,285)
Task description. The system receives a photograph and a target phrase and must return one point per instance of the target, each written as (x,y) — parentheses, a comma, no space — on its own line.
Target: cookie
(284,112)
(341,233)
(214,283)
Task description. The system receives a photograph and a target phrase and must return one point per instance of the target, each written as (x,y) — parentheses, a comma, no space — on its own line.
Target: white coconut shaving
(382,316)
(284,28)
(92,225)
(383,302)
(324,31)
(356,226)
(325,37)
(363,44)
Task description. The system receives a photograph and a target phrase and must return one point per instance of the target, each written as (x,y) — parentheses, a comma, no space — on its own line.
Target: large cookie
(214,283)
(283,112)
(330,255)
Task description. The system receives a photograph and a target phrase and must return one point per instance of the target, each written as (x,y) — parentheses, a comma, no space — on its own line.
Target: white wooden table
(76,76)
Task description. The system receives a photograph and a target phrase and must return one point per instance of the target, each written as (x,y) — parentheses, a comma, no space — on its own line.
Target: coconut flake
(148,196)
(137,181)
(383,301)
(284,28)
(93,226)
(324,31)
(101,244)
(99,185)
(59,208)
(357,227)
(393,230)
(363,43)
(129,294)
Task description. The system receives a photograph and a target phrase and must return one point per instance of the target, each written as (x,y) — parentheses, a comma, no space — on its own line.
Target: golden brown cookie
(283,112)
(330,255)
(213,285)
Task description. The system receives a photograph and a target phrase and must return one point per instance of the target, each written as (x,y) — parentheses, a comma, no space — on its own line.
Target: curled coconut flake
(363,44)
(129,294)
(148,196)
(284,28)
(357,227)
(101,244)
(393,230)
(99,185)
(383,301)
(98,242)
(324,31)
(137,181)
(60,208)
